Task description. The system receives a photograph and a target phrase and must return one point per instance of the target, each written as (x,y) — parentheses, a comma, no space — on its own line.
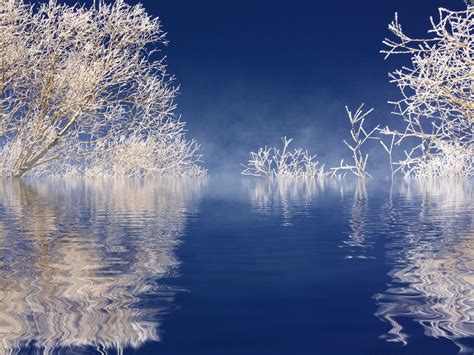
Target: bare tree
(76,83)
(437,104)
(359,136)
(271,162)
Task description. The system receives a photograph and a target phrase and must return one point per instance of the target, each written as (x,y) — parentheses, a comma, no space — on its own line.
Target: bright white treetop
(78,86)
(437,104)
(285,163)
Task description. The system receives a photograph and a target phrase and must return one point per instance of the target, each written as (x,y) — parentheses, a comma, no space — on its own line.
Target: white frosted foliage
(83,85)
(359,135)
(273,162)
(437,104)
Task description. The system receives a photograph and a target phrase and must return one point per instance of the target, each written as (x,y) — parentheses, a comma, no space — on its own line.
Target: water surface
(240,266)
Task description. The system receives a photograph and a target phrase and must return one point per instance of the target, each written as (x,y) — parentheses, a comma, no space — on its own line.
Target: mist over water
(236,266)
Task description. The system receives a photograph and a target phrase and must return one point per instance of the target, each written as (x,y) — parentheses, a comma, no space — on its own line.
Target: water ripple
(78,259)
(431,250)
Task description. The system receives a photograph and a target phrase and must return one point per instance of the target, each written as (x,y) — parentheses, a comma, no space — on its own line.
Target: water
(236,267)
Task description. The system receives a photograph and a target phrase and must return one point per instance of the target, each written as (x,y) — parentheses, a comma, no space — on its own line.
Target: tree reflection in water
(431,249)
(79,257)
(425,228)
(286,197)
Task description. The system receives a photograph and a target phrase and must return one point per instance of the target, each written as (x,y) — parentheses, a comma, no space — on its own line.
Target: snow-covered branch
(271,162)
(437,104)
(359,136)
(74,80)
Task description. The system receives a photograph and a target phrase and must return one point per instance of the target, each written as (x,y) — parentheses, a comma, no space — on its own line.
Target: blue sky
(253,71)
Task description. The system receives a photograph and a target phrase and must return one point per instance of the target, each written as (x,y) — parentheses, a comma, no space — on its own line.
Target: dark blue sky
(252,71)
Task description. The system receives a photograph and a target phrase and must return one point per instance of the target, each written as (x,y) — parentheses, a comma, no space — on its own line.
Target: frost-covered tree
(437,108)
(80,86)
(284,163)
(437,104)
(359,135)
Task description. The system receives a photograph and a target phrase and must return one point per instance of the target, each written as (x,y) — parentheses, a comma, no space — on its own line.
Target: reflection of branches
(358,240)
(77,258)
(433,261)
(285,196)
